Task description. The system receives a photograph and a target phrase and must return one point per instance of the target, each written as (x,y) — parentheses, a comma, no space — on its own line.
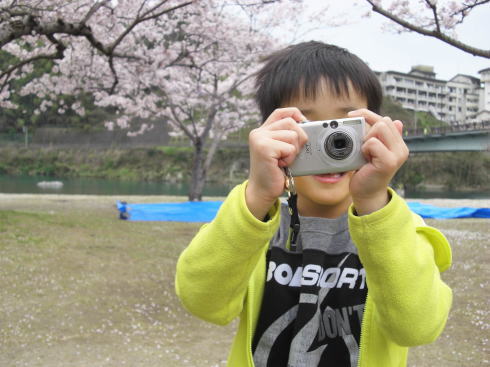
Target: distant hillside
(395,110)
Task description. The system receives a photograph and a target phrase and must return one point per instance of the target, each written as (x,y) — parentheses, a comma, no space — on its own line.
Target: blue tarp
(200,211)
(205,211)
(431,211)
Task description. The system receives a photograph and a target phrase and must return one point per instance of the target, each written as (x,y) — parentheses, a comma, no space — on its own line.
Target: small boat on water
(50,184)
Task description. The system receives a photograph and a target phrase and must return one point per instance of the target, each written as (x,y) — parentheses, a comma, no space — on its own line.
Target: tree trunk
(198,177)
(200,166)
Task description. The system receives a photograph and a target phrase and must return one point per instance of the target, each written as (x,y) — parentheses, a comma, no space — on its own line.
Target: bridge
(470,137)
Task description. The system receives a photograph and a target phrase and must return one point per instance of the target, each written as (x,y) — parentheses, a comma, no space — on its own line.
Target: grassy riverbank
(165,163)
(79,287)
(461,171)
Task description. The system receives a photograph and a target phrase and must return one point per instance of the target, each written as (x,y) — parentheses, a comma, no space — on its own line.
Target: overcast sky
(370,39)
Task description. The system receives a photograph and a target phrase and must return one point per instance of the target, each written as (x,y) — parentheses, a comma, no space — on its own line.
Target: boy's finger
(399,126)
(386,132)
(287,136)
(370,117)
(284,152)
(378,154)
(289,123)
(281,113)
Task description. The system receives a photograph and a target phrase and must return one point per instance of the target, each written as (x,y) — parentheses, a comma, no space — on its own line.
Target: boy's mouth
(329,177)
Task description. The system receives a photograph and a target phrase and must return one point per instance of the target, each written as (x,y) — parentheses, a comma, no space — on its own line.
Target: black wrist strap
(294,225)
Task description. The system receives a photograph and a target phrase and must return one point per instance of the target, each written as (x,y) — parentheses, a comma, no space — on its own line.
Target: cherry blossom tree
(433,18)
(204,96)
(185,63)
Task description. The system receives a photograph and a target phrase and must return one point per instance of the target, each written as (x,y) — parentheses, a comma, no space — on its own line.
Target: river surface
(95,186)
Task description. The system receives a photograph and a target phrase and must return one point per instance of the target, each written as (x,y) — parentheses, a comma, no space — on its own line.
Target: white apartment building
(456,101)
(484,106)
(463,97)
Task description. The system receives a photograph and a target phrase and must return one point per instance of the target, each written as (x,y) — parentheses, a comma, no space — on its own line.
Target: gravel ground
(79,287)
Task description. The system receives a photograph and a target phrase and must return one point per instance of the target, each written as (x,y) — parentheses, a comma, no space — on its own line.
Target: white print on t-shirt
(323,324)
(313,274)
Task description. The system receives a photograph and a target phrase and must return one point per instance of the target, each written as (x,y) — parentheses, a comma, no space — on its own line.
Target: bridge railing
(442,130)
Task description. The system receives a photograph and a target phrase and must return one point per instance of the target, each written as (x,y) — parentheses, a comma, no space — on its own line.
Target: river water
(95,186)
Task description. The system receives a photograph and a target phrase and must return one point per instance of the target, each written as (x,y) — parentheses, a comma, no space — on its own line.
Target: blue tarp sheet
(431,211)
(205,211)
(200,211)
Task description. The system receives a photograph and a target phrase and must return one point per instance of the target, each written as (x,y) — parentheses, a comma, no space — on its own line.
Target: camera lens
(339,145)
(334,124)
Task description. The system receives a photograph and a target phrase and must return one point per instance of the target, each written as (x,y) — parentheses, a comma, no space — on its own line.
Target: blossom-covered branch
(23,25)
(440,23)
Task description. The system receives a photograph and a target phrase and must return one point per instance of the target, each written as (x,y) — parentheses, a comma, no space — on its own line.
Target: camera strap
(293,209)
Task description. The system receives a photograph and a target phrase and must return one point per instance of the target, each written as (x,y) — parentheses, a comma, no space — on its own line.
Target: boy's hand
(385,152)
(273,146)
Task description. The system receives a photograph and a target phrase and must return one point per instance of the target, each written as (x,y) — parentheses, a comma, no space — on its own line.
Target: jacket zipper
(362,342)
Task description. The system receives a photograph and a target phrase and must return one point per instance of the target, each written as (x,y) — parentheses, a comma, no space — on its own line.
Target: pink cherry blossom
(185,63)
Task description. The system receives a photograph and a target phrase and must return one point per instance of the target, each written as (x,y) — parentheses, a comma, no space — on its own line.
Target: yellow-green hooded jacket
(221,276)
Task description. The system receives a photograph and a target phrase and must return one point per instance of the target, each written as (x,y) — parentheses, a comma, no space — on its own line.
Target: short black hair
(298,69)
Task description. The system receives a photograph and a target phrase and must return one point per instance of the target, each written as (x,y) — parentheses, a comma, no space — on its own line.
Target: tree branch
(25,21)
(434,33)
(181,124)
(60,49)
(433,6)
(93,10)
(146,16)
(463,12)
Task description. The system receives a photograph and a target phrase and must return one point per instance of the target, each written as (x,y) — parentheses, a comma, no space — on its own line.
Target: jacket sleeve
(214,270)
(403,258)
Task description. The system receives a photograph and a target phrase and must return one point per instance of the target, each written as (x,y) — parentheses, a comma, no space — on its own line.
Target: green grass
(79,287)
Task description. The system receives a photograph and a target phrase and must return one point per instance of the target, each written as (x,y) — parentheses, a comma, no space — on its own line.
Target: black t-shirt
(313,298)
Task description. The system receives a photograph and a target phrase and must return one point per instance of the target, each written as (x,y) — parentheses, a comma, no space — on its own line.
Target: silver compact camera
(332,146)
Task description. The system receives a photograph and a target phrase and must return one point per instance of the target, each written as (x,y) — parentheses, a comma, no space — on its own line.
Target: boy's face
(326,195)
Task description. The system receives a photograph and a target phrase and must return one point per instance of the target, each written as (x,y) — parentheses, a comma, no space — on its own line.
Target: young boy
(363,283)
